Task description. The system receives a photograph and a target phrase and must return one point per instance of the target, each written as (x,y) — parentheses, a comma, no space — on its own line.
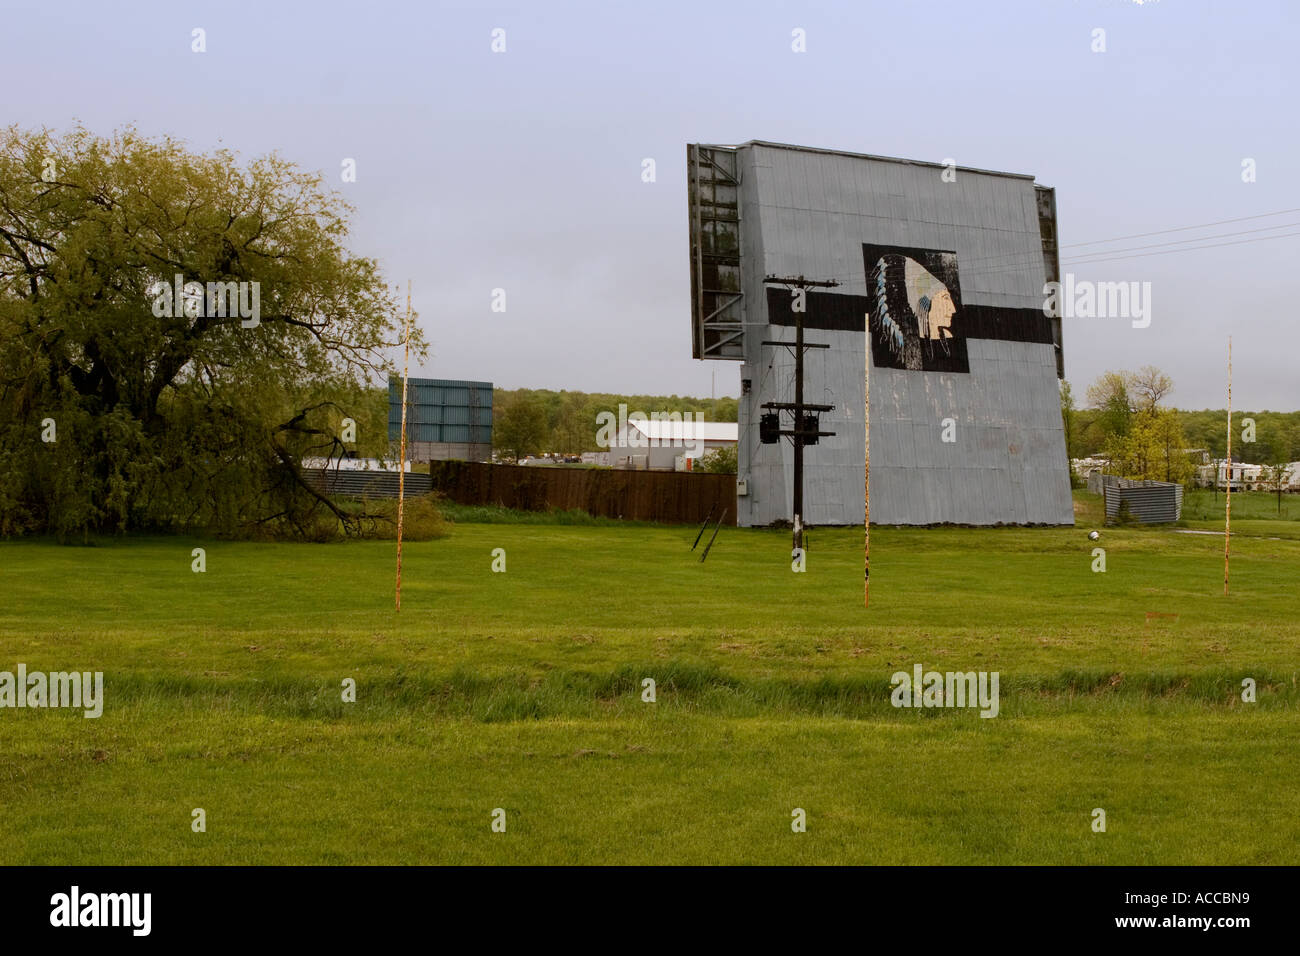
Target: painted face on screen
(913,308)
(936,317)
(929,300)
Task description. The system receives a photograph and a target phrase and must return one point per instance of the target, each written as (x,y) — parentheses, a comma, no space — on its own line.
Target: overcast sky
(522,170)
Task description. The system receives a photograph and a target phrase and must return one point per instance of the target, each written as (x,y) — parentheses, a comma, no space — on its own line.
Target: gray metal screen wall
(812,213)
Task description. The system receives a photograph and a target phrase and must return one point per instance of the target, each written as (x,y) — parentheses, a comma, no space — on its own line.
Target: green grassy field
(1204,505)
(522,691)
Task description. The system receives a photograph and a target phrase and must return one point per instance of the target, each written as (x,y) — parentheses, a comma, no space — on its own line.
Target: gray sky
(522,170)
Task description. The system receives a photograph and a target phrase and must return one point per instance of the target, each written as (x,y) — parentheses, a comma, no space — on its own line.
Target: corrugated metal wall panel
(441,413)
(338,483)
(1149,502)
(1009,397)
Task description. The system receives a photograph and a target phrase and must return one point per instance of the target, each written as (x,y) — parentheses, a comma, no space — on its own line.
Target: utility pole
(799,434)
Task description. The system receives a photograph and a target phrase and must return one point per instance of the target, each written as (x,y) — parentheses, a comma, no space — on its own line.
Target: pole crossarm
(806,406)
(799,282)
(790,345)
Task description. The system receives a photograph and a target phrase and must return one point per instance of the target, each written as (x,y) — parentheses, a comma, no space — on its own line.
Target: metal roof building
(944,267)
(656,444)
(684,432)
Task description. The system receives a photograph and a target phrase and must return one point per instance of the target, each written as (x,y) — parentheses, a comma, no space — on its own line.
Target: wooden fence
(672,497)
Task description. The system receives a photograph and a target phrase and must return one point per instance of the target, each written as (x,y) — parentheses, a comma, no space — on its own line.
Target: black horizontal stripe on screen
(842,312)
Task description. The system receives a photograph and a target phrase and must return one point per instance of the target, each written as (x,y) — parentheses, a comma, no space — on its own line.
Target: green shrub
(422,519)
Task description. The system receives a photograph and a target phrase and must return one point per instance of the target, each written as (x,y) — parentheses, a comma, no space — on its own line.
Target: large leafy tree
(519,427)
(166,417)
(1069,418)
(1153,448)
(1110,397)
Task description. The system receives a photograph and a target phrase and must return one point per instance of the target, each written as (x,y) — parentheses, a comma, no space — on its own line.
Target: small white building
(1245,476)
(659,445)
(1084,467)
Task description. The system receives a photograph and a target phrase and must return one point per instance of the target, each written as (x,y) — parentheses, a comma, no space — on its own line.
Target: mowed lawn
(522,691)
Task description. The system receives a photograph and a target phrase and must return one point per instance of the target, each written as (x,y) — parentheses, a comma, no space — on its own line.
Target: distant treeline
(1277,434)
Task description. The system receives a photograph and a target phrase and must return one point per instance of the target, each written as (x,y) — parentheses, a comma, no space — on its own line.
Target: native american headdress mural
(914,309)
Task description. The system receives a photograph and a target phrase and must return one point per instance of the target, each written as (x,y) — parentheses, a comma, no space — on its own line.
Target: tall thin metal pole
(401,474)
(866,468)
(1227,498)
(798,429)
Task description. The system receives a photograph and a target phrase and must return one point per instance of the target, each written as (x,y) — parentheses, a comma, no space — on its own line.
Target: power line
(1106,256)
(1162,232)
(1239,242)
(1143,235)
(1183,242)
